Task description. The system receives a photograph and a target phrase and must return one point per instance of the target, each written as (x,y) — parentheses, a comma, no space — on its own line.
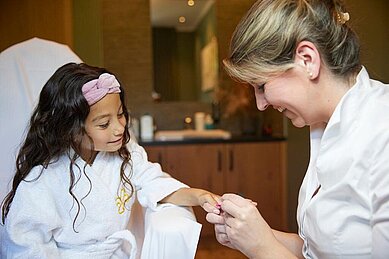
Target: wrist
(268,247)
(276,250)
(201,196)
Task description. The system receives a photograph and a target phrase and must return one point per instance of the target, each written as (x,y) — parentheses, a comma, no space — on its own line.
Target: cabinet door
(199,166)
(156,154)
(257,171)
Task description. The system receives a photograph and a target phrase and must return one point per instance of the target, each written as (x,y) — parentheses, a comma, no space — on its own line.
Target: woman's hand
(240,226)
(245,229)
(218,219)
(220,228)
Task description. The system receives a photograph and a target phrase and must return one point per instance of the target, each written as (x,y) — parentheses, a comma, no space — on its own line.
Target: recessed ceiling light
(190,2)
(181,19)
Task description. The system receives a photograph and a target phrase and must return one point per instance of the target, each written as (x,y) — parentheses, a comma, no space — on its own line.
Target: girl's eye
(104,126)
(120,114)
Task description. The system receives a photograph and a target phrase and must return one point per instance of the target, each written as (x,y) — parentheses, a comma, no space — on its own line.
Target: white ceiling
(165,13)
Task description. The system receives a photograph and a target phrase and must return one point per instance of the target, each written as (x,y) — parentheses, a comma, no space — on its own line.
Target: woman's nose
(261,101)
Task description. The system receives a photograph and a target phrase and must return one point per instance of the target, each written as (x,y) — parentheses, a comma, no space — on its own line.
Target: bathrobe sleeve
(30,223)
(151,183)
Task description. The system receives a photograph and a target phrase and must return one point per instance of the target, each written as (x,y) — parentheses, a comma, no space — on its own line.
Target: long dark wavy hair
(57,126)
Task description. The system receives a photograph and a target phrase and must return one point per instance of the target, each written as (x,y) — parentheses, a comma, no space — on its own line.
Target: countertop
(233,139)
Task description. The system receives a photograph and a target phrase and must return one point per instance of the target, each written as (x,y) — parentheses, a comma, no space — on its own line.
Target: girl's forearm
(185,197)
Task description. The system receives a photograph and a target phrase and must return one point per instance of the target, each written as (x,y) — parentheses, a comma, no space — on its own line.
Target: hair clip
(342,17)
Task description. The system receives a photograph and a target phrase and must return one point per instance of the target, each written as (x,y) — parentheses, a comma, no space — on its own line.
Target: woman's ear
(308,56)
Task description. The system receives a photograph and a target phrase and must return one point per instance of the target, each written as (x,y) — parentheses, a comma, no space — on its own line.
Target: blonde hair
(264,42)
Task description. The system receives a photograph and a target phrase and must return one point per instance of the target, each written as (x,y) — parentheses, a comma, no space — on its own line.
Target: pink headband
(96,89)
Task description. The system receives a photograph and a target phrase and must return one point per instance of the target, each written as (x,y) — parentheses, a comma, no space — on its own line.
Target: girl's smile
(119,141)
(105,125)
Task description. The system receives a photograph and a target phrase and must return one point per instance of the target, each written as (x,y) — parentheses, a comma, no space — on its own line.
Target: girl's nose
(118,128)
(118,132)
(261,101)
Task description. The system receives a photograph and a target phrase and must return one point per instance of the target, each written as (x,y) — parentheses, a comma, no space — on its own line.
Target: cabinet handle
(219,161)
(231,153)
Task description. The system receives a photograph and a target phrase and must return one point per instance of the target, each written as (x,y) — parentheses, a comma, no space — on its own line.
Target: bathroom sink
(165,135)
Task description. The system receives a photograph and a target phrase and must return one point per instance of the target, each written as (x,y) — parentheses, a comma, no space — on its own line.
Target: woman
(302,58)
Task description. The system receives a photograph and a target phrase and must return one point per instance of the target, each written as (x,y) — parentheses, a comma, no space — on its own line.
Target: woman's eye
(261,87)
(120,114)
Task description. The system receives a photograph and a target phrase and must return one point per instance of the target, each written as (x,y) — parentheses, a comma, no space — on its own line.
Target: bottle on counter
(146,127)
(208,122)
(199,118)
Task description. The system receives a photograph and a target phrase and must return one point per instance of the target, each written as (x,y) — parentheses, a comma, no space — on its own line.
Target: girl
(77,173)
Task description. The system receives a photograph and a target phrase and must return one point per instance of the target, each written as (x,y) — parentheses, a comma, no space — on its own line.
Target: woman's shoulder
(374,109)
(372,101)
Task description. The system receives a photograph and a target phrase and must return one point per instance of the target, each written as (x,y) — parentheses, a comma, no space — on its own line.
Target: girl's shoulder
(56,169)
(132,145)
(136,150)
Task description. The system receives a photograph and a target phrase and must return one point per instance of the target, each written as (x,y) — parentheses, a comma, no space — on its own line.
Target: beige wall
(370,19)
(24,19)
(87,31)
(126,34)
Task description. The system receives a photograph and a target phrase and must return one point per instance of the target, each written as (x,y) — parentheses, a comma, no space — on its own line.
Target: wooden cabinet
(256,170)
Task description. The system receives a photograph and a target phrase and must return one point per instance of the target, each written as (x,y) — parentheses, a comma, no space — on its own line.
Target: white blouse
(348,217)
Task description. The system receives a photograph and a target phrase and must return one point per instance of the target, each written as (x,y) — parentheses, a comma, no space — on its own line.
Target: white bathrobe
(40,221)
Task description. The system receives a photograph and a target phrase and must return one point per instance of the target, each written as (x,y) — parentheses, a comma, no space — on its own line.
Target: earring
(310,74)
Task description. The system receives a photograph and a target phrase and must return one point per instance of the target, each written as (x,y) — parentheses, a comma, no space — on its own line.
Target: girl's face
(290,94)
(105,124)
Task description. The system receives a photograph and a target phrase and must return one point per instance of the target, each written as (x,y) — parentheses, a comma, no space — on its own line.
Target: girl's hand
(194,197)
(209,202)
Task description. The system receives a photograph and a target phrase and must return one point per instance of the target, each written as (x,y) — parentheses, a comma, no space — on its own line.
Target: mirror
(185,58)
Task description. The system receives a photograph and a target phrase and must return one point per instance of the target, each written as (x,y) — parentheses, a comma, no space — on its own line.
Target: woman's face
(290,94)
(105,124)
